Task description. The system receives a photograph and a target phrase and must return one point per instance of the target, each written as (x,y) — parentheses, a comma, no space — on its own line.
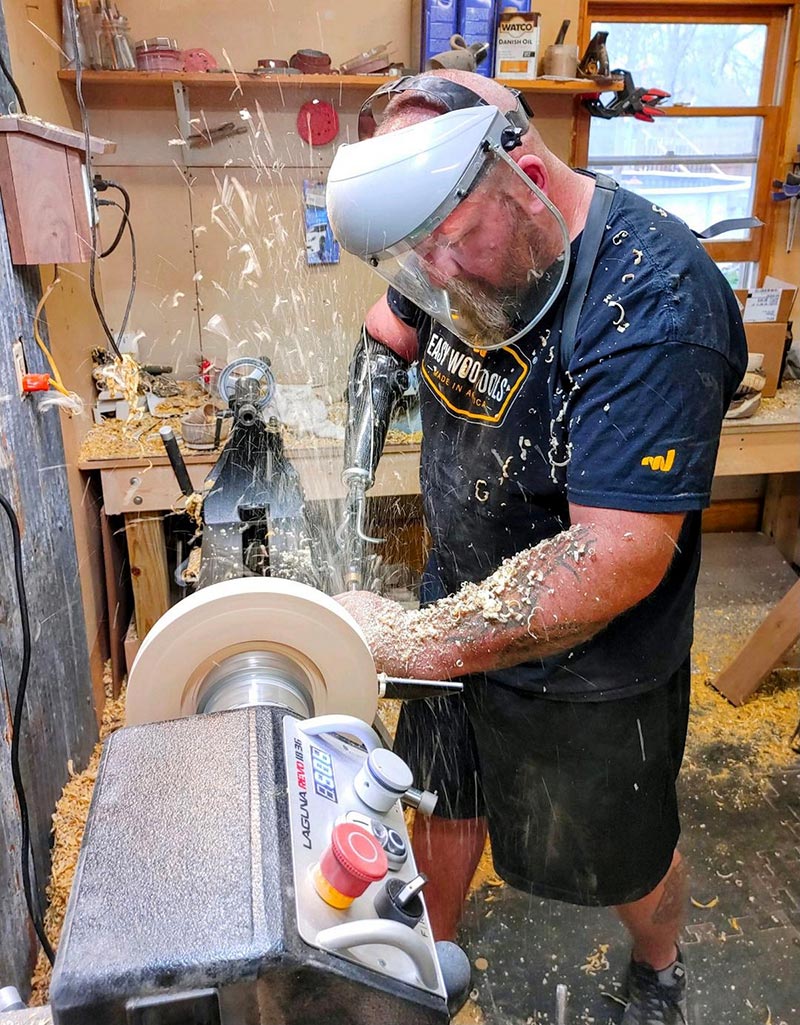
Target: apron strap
(596,221)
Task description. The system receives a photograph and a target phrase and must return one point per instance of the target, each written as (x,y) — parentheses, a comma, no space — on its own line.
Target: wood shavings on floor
(69,822)
(738,748)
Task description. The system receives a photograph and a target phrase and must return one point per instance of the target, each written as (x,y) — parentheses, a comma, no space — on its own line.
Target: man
(577,352)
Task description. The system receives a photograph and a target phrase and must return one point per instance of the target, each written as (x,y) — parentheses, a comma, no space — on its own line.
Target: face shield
(447,218)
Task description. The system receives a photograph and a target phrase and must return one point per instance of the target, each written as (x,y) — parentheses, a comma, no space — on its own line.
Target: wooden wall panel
(60,723)
(164,304)
(243,197)
(252,28)
(257,289)
(34,32)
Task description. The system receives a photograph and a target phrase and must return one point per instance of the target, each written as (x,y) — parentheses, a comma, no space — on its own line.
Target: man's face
(485,255)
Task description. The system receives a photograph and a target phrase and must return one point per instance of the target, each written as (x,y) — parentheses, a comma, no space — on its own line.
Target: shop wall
(32,33)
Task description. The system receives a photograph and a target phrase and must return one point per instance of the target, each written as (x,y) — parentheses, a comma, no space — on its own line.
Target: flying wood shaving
(711,904)
(597,961)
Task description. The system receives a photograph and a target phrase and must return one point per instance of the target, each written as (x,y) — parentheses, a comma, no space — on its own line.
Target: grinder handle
(347,724)
(393,934)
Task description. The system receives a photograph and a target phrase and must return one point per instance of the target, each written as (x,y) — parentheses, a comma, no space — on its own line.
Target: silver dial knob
(382,780)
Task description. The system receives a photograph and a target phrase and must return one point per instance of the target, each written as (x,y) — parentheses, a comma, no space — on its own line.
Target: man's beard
(488,315)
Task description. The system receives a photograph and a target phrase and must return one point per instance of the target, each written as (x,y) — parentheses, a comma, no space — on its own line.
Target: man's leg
(657,975)
(447,851)
(655,921)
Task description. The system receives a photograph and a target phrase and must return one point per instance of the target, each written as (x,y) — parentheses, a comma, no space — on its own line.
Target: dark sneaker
(656,998)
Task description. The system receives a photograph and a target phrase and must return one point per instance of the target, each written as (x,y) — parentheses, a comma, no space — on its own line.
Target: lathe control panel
(357,889)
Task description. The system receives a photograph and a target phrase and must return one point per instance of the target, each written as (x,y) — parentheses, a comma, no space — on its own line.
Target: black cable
(125,223)
(101,184)
(7,72)
(26,851)
(73,25)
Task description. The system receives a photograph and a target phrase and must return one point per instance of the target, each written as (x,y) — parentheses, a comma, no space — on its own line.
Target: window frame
(781,20)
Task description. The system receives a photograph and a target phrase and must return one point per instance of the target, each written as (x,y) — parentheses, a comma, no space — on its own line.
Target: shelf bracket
(181,96)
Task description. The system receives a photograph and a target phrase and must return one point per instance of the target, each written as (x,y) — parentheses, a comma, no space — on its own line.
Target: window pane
(739,275)
(706,139)
(700,65)
(702,169)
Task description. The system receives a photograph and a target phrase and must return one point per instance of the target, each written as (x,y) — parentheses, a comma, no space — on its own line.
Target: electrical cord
(112,341)
(7,72)
(125,223)
(100,185)
(26,851)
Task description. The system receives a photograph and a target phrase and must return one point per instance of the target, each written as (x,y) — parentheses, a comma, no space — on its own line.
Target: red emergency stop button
(352,861)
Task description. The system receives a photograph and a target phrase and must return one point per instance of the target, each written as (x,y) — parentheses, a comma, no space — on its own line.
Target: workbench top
(121,444)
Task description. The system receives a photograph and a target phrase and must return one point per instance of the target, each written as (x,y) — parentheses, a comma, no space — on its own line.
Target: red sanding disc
(317,122)
(198,60)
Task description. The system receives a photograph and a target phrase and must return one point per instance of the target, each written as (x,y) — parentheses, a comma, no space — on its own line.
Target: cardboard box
(517,46)
(765,312)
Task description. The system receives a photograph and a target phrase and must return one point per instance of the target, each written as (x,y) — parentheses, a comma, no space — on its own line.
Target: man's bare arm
(385,327)
(543,601)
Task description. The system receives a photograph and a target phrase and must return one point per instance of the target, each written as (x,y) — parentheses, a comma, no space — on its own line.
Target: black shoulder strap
(596,221)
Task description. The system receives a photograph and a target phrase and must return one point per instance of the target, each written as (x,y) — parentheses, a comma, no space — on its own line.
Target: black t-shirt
(510,436)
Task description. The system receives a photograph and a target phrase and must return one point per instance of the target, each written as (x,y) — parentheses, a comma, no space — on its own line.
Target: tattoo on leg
(671,907)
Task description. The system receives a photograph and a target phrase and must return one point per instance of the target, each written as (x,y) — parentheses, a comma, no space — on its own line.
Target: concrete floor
(740,792)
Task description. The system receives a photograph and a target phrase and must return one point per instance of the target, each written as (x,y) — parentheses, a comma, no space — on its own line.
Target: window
(712,156)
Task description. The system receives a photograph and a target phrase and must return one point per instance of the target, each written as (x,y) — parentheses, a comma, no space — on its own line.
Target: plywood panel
(257,294)
(252,28)
(270,116)
(164,306)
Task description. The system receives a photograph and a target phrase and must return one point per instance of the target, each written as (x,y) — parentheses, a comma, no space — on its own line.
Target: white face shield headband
(445,216)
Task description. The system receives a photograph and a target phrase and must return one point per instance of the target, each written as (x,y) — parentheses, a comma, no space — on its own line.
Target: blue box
(477,21)
(439,22)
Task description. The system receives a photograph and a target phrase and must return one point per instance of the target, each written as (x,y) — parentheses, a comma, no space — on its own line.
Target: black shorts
(580,796)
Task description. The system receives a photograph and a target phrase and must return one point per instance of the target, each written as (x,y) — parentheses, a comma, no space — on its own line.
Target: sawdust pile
(139,438)
(69,822)
(737,749)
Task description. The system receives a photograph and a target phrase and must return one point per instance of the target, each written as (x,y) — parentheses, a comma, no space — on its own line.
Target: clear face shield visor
(448,219)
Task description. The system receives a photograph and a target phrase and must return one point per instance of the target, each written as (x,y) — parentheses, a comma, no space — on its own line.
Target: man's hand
(397,647)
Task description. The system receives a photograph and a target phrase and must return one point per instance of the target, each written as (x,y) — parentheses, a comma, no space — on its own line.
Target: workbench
(144,489)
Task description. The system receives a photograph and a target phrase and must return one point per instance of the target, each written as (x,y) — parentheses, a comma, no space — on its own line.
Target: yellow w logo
(663,463)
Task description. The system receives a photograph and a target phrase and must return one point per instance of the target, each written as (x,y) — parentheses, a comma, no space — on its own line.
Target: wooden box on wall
(43,189)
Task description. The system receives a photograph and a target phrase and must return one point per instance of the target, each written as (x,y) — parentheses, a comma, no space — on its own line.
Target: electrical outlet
(20,366)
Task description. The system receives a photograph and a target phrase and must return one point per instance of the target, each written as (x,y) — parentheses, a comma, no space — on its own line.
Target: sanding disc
(252,614)
(318,122)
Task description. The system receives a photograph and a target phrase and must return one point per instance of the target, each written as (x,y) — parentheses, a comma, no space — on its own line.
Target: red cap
(35,382)
(353,860)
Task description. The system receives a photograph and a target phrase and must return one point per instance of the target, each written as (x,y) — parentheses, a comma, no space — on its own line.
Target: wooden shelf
(110,81)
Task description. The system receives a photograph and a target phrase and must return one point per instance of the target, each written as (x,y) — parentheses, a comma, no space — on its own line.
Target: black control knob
(400,901)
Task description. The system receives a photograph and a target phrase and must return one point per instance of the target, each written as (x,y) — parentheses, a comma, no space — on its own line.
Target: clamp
(631,101)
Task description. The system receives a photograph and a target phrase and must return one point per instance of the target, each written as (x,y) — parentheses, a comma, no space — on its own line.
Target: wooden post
(760,654)
(781,516)
(59,717)
(147,552)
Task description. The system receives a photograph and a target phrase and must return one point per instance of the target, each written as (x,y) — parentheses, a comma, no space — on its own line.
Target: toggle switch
(400,901)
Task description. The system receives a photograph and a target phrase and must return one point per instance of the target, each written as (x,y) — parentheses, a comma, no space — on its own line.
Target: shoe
(656,998)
